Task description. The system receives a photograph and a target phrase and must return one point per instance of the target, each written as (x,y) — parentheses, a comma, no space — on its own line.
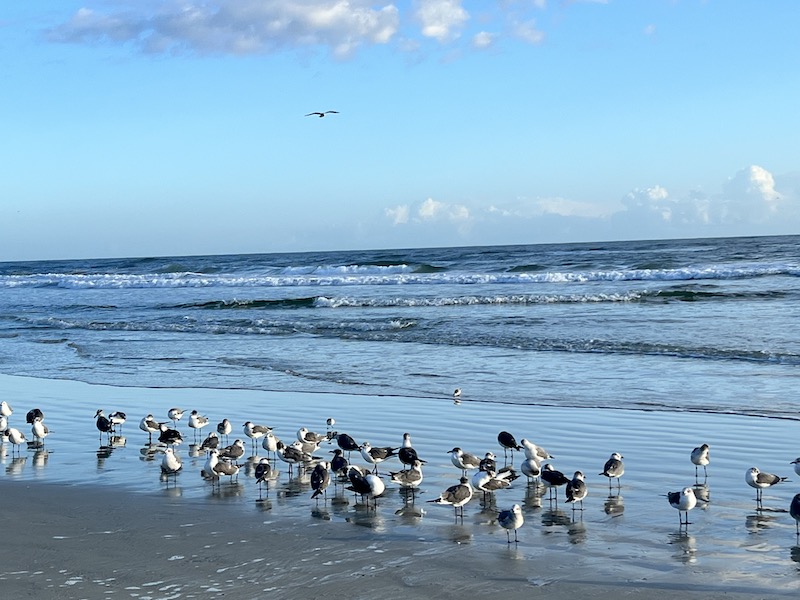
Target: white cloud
(483,39)
(238,26)
(434,210)
(441,19)
(527,209)
(526,31)
(398,215)
(750,195)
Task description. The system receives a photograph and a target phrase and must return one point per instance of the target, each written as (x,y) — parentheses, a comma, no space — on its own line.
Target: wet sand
(82,520)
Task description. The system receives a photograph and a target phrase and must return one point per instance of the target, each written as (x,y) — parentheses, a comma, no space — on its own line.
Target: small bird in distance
(322,114)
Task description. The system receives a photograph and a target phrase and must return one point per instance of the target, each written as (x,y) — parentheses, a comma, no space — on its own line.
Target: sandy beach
(82,523)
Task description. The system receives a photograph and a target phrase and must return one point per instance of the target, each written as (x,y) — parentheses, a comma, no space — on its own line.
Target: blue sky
(143,128)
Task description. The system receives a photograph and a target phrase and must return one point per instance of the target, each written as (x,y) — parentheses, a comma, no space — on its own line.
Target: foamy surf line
(729,543)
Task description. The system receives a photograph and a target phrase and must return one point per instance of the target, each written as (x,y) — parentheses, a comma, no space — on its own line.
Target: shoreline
(76,522)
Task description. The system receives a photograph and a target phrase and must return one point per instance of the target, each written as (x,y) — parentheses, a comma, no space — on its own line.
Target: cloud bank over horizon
(753,198)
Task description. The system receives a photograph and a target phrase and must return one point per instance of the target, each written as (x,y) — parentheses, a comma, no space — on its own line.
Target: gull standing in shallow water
(701,458)
(39,430)
(5,409)
(150,426)
(408,478)
(224,427)
(796,463)
(508,442)
(794,510)
(614,468)
(171,463)
(103,424)
(368,486)
(15,436)
(531,468)
(553,479)
(197,421)
(464,460)
(174,415)
(683,501)
(255,432)
(406,453)
(456,496)
(375,455)
(576,490)
(320,479)
(759,480)
(535,452)
(264,473)
(511,520)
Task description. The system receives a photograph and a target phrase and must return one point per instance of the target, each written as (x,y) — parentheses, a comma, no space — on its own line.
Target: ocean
(647,349)
(706,325)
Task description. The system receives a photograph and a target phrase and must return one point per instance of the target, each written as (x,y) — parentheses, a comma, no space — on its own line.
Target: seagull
(149,425)
(369,485)
(215,468)
(759,480)
(170,437)
(320,479)
(488,462)
(39,430)
(292,455)
(15,436)
(312,437)
(171,463)
(614,468)
(406,453)
(682,501)
(255,432)
(270,443)
(531,468)
(117,418)
(700,458)
(175,414)
(346,443)
(233,452)
(533,451)
(224,427)
(796,463)
(457,396)
(103,424)
(322,114)
(464,460)
(508,442)
(552,479)
(489,482)
(376,455)
(32,414)
(456,495)
(5,409)
(264,473)
(794,510)
(211,441)
(408,478)
(197,421)
(339,463)
(511,520)
(576,490)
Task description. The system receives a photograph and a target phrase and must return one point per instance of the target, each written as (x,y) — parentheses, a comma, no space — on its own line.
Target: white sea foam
(370,275)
